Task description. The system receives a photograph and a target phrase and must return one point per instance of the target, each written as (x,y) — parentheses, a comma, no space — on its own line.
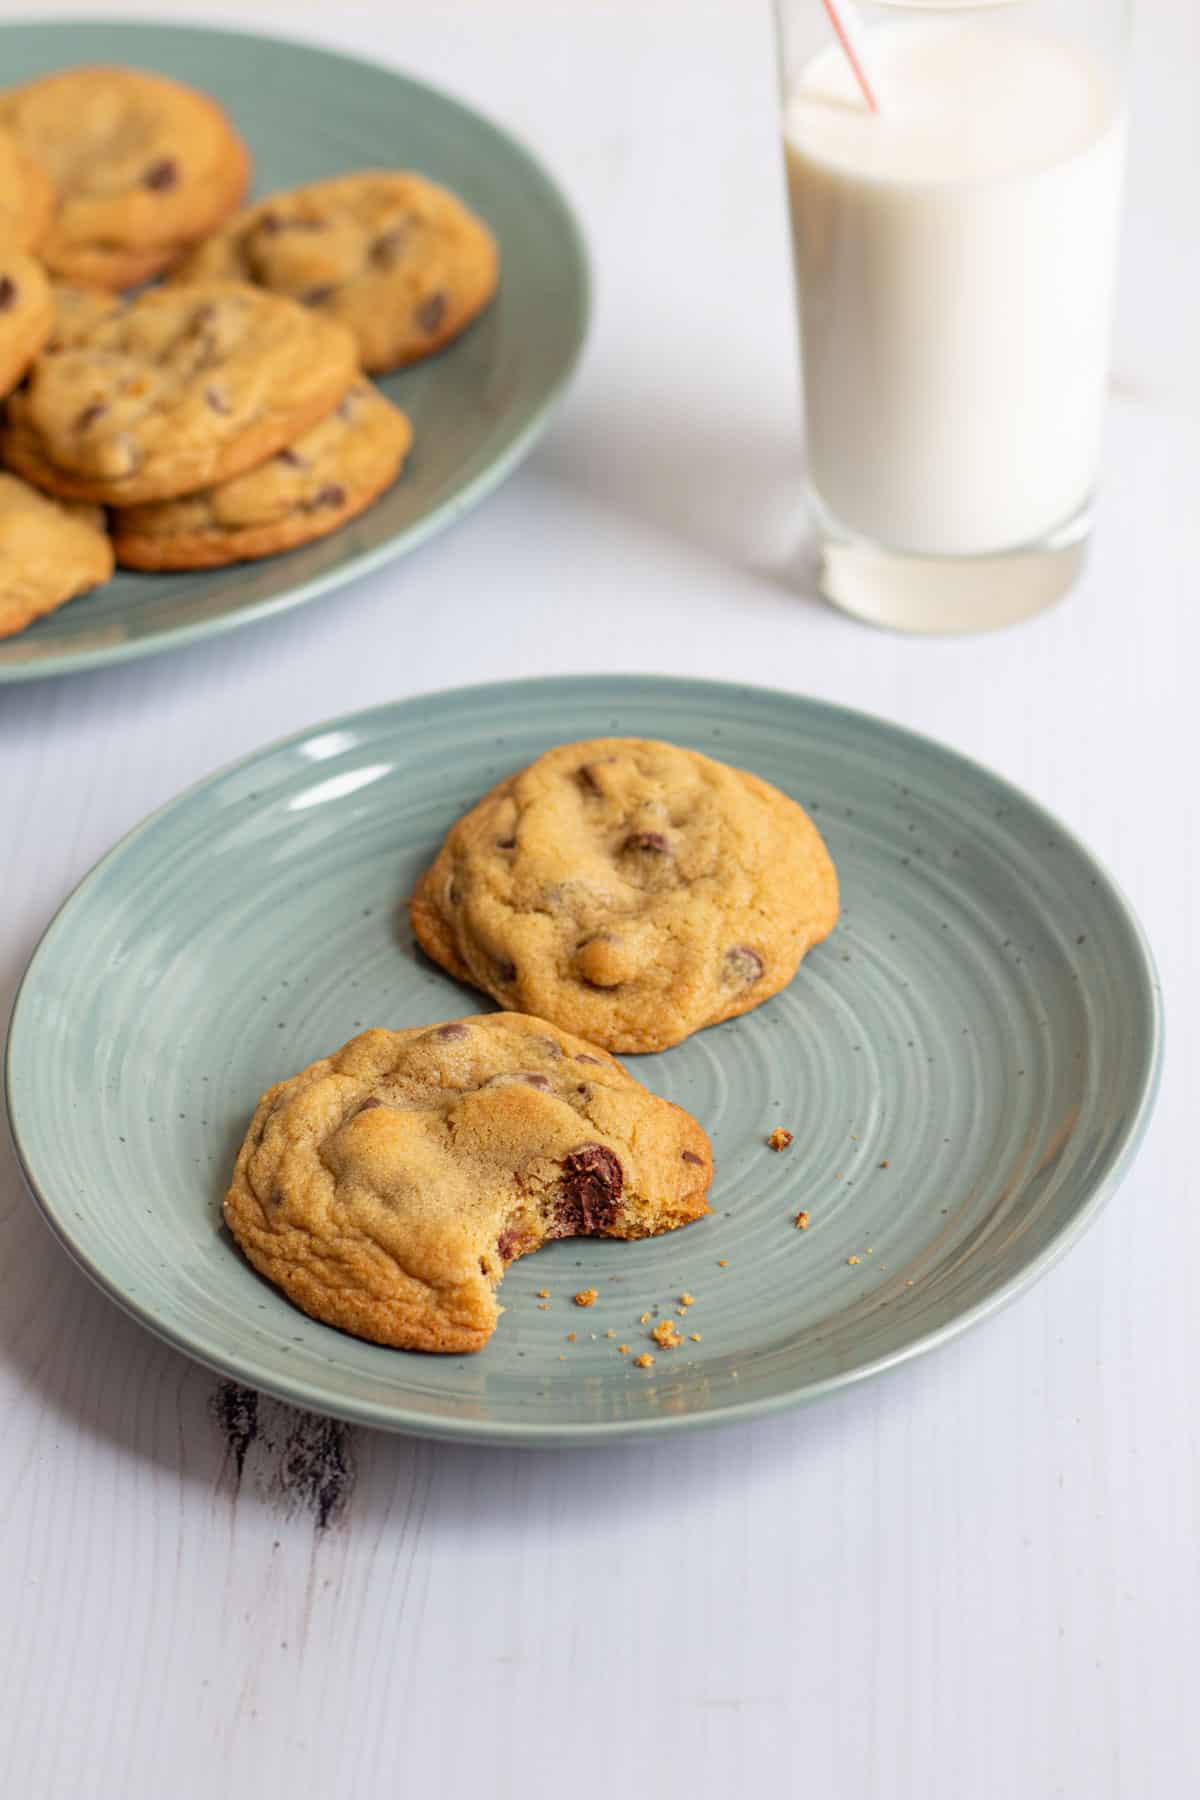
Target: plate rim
(513,453)
(534,1435)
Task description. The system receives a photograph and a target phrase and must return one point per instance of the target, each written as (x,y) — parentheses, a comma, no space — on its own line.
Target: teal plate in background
(476,408)
(967,1064)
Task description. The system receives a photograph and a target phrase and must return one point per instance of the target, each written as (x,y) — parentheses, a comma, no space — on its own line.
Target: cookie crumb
(884,1165)
(586,1297)
(665,1335)
(695,1336)
(801,1221)
(623,1349)
(543,1293)
(779,1138)
(562,1359)
(570,1337)
(542,1307)
(721,1263)
(610,1333)
(644,1319)
(687,1299)
(644,1361)
(853,1259)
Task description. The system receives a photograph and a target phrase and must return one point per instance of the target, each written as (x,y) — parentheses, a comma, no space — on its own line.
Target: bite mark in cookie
(387,1188)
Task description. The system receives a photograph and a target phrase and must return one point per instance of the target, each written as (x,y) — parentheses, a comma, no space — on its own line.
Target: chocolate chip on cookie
(629,890)
(399,260)
(387,1188)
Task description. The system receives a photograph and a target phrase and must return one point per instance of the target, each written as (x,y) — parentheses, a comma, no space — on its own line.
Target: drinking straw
(851,37)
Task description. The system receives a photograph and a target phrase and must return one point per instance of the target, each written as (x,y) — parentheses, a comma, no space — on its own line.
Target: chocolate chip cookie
(143,166)
(387,1188)
(50,550)
(178,390)
(302,492)
(629,890)
(26,315)
(26,197)
(399,260)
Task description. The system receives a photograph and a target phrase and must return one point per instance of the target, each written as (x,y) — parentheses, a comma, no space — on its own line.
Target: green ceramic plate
(967,1064)
(476,409)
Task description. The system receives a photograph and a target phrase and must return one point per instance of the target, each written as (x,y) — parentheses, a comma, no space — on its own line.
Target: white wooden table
(974,1580)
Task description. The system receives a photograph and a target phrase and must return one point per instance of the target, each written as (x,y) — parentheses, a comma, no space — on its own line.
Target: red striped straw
(849,36)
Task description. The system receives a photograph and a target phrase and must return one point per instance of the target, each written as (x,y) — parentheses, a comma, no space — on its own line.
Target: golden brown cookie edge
(216,549)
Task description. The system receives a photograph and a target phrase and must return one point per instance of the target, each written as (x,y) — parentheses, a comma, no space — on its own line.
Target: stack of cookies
(222,414)
(618,894)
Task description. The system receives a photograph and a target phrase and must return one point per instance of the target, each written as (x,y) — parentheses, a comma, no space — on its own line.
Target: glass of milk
(955,256)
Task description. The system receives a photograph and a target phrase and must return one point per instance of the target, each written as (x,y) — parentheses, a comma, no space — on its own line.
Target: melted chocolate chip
(431,312)
(291,459)
(505,970)
(743,965)
(537,1081)
(690,1156)
(550,1045)
(585,775)
(90,414)
(8,292)
(214,398)
(316,296)
(653,841)
(591,1059)
(272,223)
(204,315)
(162,174)
(452,1032)
(509,1245)
(388,247)
(331,495)
(592,1181)
(368,1104)
(506,843)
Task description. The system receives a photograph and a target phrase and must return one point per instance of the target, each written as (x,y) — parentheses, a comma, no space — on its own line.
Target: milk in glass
(955,259)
